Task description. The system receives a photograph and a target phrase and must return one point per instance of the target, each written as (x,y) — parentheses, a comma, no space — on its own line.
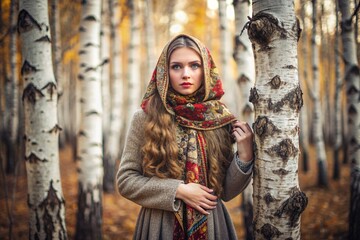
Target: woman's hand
(243,136)
(197,196)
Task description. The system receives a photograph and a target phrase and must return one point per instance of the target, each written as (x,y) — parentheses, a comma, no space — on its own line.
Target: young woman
(178,162)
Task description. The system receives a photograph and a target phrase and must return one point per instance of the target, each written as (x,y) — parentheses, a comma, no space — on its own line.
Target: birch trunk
(225,56)
(149,39)
(112,152)
(105,70)
(352,80)
(317,113)
(304,122)
(244,58)
(58,67)
(134,83)
(277,99)
(89,139)
(337,101)
(12,94)
(45,199)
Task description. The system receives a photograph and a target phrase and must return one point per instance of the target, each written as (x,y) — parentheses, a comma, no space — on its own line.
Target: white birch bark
(317,112)
(304,121)
(149,39)
(45,198)
(244,58)
(352,80)
(58,66)
(225,57)
(134,83)
(89,139)
(112,152)
(277,99)
(337,101)
(105,70)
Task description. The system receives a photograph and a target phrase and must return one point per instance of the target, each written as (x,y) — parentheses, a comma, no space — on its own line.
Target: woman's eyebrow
(194,61)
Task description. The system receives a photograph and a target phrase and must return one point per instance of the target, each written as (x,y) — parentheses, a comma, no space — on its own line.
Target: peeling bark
(45,198)
(277,98)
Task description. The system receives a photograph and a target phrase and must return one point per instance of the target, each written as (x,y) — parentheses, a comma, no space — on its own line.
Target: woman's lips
(186,85)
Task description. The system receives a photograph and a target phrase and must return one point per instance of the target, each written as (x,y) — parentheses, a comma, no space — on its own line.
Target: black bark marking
(37,221)
(243,79)
(51,88)
(268,199)
(81,77)
(284,150)
(281,172)
(89,215)
(263,27)
(82,133)
(275,82)
(27,68)
(55,129)
(352,90)
(91,113)
(264,127)
(247,110)
(296,28)
(43,39)
(90,18)
(52,206)
(293,206)
(254,96)
(352,110)
(31,93)
(26,22)
(91,45)
(90,69)
(82,52)
(289,67)
(293,99)
(33,158)
(82,29)
(269,231)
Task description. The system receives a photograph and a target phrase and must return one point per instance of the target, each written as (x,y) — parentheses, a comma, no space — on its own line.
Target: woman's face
(185,70)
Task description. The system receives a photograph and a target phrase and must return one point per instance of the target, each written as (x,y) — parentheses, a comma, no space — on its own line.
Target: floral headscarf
(202,111)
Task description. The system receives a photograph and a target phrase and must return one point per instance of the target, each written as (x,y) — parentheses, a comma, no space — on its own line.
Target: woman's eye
(175,67)
(195,66)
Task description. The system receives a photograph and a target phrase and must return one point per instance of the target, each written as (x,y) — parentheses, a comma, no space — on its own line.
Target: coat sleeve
(235,181)
(149,192)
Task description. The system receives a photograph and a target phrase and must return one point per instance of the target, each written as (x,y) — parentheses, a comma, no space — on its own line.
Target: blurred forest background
(132,36)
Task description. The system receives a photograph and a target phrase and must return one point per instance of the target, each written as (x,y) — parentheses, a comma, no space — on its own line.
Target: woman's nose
(186,73)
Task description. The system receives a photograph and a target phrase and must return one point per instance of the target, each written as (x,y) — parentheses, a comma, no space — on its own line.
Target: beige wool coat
(157,196)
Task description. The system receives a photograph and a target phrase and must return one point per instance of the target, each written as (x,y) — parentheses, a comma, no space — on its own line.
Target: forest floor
(326,216)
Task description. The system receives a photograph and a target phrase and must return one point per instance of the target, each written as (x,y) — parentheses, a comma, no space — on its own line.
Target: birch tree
(337,101)
(112,152)
(58,67)
(352,80)
(277,98)
(134,83)
(317,113)
(304,123)
(244,59)
(89,138)
(225,57)
(12,87)
(149,38)
(105,70)
(45,199)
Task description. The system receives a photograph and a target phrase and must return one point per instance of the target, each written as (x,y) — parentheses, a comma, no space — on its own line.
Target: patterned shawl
(201,110)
